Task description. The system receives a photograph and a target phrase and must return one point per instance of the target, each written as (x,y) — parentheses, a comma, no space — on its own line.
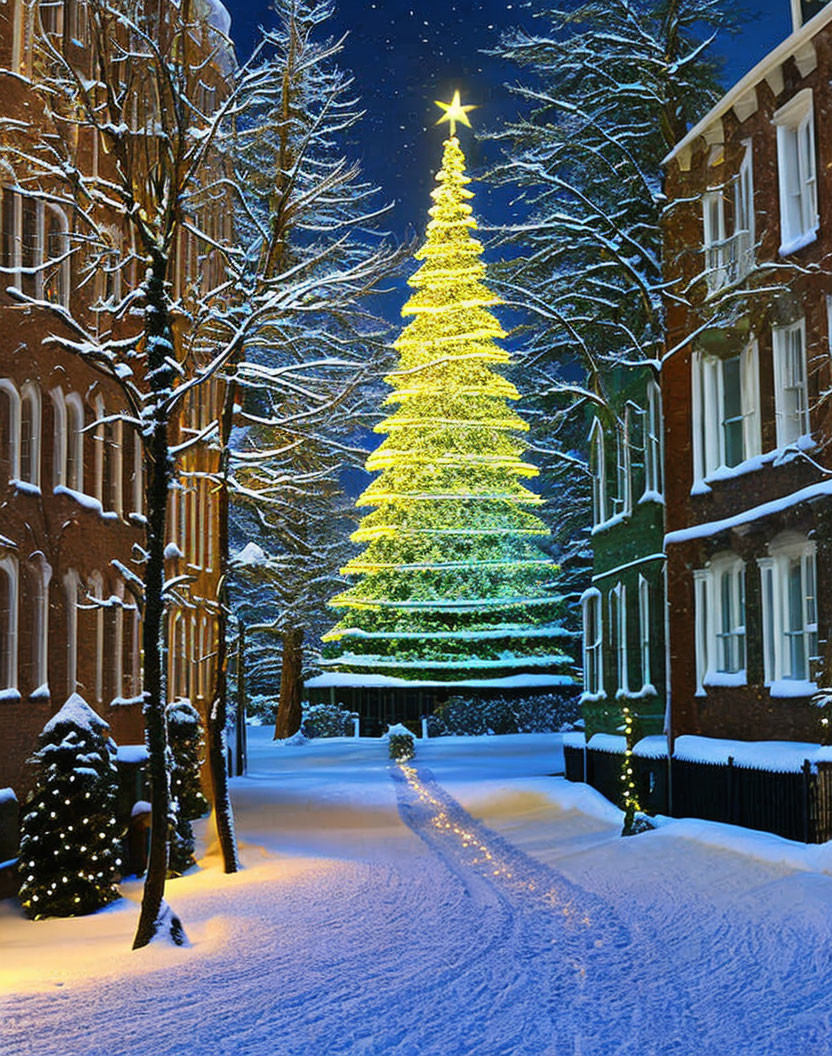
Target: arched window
(10,428)
(138,474)
(74,442)
(95,600)
(30,434)
(593,643)
(41,575)
(98,436)
(71,589)
(597,469)
(113,466)
(56,257)
(653,462)
(117,623)
(59,438)
(8,623)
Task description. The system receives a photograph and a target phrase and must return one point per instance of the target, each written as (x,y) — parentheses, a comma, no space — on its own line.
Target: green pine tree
(452,581)
(188,802)
(70,853)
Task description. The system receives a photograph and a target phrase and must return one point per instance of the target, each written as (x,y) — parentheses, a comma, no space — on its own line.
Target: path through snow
(458,906)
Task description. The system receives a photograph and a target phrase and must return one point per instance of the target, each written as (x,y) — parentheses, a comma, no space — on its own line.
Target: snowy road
(458,905)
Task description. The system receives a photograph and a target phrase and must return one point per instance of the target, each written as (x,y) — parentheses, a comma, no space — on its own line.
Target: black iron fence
(797,806)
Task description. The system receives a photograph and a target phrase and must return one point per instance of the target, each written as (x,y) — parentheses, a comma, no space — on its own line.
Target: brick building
(746,384)
(71,488)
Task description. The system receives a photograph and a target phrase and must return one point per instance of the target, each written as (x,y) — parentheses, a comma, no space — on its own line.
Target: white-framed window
(41,575)
(716,249)
(623,501)
(720,622)
(138,474)
(71,599)
(99,447)
(117,659)
(790,617)
(742,249)
(74,442)
(18,36)
(9,616)
(30,413)
(593,643)
(51,14)
(644,630)
(10,426)
(59,438)
(726,410)
(797,173)
(791,391)
(618,621)
(55,256)
(95,602)
(597,469)
(653,444)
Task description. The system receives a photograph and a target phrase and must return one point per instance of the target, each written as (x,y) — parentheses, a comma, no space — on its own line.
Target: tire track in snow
(563,952)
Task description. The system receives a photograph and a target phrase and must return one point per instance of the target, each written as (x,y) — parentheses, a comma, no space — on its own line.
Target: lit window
(797,175)
(791,398)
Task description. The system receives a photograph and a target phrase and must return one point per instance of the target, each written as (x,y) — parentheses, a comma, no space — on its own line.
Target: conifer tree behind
(187,750)
(70,853)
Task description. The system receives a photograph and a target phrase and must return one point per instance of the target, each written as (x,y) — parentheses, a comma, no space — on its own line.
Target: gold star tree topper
(454,111)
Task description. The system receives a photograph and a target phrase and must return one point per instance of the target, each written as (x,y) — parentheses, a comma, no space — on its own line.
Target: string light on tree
(452,583)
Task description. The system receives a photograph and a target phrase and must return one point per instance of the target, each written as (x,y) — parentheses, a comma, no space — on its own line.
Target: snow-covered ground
(467,903)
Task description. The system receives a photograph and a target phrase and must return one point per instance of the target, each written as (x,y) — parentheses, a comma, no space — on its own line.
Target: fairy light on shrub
(628,777)
(452,581)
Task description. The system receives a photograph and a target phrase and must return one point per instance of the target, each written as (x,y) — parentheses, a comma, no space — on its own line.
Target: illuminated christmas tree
(453,585)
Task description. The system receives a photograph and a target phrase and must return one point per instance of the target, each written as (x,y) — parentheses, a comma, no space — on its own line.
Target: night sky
(407,53)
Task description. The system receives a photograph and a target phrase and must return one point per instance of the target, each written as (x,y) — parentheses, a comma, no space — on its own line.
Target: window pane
(732,420)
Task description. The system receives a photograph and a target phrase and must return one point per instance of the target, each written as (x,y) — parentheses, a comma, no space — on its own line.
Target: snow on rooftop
(337,679)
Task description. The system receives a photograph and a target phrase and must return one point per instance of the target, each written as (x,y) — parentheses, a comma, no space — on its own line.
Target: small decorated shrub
(400,744)
(327,720)
(70,841)
(187,801)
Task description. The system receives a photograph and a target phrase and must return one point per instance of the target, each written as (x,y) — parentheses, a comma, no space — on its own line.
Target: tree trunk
(289,710)
(158,475)
(218,714)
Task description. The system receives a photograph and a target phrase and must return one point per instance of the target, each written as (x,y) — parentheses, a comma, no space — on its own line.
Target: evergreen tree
(187,801)
(70,852)
(452,582)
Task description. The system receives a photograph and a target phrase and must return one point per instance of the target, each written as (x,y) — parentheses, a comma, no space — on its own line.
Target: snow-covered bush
(261,709)
(69,848)
(187,801)
(400,744)
(542,713)
(327,720)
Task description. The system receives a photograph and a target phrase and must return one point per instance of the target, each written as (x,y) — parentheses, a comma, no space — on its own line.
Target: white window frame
(782,346)
(593,651)
(42,573)
(138,474)
(644,631)
(59,438)
(775,569)
(618,621)
(10,389)
(744,240)
(709,622)
(714,239)
(708,409)
(95,591)
(31,393)
(797,172)
(623,501)
(598,471)
(75,426)
(71,588)
(653,444)
(9,645)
